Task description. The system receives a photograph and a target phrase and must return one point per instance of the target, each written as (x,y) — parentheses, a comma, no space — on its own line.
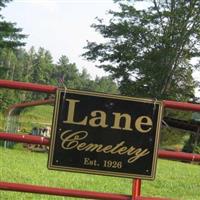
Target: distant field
(38,116)
(174,179)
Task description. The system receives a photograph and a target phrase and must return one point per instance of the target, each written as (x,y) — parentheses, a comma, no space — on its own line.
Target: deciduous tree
(148,48)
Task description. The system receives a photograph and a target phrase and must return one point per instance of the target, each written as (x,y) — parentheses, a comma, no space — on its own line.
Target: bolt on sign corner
(105,134)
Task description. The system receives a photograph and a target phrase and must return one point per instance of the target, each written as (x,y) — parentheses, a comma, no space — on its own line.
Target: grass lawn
(174,179)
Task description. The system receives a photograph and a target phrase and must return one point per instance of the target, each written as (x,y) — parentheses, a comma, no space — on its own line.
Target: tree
(85,82)
(42,67)
(8,62)
(10,35)
(192,145)
(149,50)
(66,73)
(105,84)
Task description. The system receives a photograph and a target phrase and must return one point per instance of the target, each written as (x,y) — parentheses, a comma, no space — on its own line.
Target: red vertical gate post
(136,190)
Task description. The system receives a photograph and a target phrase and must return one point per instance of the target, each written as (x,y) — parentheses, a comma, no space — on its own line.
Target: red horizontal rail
(25,138)
(69,192)
(178,155)
(60,191)
(45,141)
(52,89)
(32,103)
(27,86)
(181,105)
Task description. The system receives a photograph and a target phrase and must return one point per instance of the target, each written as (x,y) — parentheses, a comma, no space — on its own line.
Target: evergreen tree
(66,73)
(10,35)
(8,62)
(42,67)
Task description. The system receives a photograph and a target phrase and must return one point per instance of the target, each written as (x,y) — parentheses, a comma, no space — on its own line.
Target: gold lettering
(117,120)
(81,146)
(98,118)
(92,147)
(71,111)
(138,154)
(107,149)
(86,161)
(98,121)
(114,150)
(143,124)
(130,151)
(73,141)
(122,150)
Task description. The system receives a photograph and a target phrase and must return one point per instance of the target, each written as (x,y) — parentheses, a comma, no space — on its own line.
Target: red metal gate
(136,187)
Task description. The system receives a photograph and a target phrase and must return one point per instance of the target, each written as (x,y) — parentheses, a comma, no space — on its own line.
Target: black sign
(105,134)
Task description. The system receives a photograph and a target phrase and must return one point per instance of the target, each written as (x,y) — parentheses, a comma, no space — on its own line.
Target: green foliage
(3,4)
(66,73)
(8,61)
(38,67)
(148,50)
(192,145)
(173,139)
(10,35)
(105,84)
(2,122)
(183,140)
(7,98)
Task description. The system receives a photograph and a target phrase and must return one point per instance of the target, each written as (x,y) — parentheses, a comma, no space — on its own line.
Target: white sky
(61,26)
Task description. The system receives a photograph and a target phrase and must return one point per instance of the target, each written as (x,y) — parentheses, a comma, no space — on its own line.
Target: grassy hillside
(36,116)
(174,179)
(29,117)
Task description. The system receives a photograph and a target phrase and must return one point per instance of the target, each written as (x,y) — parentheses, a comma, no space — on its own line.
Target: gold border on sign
(102,172)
